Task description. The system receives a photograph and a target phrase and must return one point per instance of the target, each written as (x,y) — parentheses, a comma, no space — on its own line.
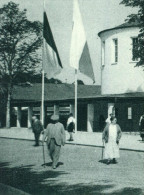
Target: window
(134,48)
(129,112)
(115,51)
(103,53)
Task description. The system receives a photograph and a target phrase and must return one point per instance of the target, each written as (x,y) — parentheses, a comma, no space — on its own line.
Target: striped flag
(51,61)
(79,52)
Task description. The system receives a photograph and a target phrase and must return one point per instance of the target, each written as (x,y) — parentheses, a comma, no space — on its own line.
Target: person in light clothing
(55,134)
(71,126)
(111,136)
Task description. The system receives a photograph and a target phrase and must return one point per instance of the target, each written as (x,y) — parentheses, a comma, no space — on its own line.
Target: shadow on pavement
(129,191)
(49,164)
(42,183)
(25,179)
(104,161)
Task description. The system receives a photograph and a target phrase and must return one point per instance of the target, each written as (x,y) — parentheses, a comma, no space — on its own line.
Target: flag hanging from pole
(79,52)
(51,61)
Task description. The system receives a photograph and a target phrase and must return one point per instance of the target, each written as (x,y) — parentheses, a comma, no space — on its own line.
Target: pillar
(56,109)
(30,112)
(90,117)
(72,109)
(111,108)
(18,116)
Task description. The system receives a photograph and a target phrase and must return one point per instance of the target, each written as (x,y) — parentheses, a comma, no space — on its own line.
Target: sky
(97,15)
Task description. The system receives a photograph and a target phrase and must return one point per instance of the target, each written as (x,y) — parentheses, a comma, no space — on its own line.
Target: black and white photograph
(72,97)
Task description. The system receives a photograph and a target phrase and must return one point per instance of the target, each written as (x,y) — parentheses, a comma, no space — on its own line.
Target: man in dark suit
(37,128)
(55,134)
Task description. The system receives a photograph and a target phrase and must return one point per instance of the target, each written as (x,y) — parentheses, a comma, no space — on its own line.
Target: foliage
(139,18)
(34,78)
(19,41)
(80,82)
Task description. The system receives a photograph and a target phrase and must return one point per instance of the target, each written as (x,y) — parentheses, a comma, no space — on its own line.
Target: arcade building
(121,91)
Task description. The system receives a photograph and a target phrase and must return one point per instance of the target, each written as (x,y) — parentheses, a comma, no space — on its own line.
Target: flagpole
(76,85)
(42,100)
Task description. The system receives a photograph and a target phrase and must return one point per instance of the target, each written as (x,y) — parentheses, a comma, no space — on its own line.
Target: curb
(78,144)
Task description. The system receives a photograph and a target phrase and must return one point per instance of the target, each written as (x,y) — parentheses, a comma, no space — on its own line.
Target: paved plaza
(129,141)
(80,171)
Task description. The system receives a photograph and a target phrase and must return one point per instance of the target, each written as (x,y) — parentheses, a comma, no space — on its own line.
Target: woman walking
(111,136)
(71,126)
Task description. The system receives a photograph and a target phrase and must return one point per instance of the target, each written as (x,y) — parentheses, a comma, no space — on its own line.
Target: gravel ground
(79,172)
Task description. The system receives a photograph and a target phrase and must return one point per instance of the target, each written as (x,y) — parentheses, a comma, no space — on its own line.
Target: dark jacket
(105,135)
(37,126)
(55,131)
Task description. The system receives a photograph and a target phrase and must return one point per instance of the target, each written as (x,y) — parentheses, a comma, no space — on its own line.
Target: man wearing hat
(55,134)
(37,128)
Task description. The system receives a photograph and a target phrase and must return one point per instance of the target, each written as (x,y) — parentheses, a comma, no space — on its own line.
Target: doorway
(82,117)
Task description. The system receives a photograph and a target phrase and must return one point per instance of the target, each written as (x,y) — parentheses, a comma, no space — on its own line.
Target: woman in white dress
(111,136)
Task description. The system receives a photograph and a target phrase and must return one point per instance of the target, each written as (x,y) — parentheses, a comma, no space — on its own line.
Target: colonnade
(90,114)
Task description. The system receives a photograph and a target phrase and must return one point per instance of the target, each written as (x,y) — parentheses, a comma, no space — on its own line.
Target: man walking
(55,134)
(37,129)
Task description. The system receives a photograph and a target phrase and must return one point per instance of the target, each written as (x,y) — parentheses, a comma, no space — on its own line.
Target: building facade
(119,75)
(121,91)
(118,71)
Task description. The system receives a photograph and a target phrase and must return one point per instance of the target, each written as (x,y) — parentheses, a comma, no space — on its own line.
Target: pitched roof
(54,92)
(61,92)
(125,25)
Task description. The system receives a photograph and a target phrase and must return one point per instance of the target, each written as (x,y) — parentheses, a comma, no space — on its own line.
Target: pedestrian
(111,136)
(37,128)
(141,125)
(71,126)
(55,134)
(108,121)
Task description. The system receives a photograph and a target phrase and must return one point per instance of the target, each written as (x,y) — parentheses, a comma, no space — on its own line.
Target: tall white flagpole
(76,85)
(42,100)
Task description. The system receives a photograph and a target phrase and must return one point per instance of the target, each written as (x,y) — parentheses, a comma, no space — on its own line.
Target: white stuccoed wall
(18,116)
(30,112)
(122,77)
(56,109)
(90,117)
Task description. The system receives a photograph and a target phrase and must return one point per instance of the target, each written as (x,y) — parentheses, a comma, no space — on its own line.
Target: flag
(51,61)
(79,52)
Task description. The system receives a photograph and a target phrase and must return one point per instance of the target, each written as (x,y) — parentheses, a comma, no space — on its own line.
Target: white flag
(79,52)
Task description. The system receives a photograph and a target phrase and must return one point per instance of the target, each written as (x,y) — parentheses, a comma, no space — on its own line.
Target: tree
(80,82)
(19,41)
(139,18)
(24,78)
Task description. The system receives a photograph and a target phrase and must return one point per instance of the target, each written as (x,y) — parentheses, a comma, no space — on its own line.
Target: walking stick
(43,154)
